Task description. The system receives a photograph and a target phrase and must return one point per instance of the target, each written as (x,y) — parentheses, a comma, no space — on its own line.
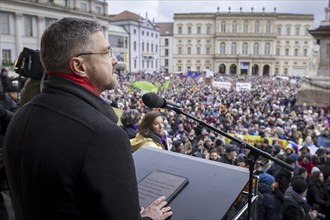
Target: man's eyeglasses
(109,52)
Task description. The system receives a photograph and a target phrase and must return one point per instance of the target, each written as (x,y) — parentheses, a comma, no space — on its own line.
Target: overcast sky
(163,10)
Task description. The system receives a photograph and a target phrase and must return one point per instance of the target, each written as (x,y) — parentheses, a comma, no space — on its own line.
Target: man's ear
(78,66)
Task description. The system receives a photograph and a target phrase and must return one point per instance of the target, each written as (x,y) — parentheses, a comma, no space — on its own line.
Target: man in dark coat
(65,156)
(295,206)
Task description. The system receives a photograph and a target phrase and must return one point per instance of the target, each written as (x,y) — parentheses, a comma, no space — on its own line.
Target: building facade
(166,45)
(118,39)
(243,43)
(143,41)
(24,21)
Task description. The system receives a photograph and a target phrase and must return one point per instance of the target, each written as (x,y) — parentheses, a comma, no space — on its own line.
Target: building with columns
(24,21)
(253,43)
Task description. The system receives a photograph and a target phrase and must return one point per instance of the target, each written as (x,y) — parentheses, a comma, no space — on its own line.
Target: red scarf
(78,79)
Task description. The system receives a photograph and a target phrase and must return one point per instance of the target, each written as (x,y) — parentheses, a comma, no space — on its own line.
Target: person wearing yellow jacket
(150,132)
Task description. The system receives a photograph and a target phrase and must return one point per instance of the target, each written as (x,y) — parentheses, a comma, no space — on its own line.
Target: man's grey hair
(65,39)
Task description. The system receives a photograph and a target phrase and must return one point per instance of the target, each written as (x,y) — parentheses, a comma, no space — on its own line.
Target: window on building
(28,25)
(306,32)
(223,27)
(166,62)
(156,35)
(134,45)
(276,71)
(117,41)
(83,6)
(179,68)
(268,27)
(208,50)
(142,33)
(246,27)
(142,63)
(288,30)
(179,30)
(256,49)
(179,50)
(166,41)
(287,51)
(256,27)
(222,48)
(152,34)
(245,49)
(234,48)
(4,23)
(156,48)
(166,52)
(189,50)
(234,27)
(199,30)
(134,64)
(147,33)
(6,58)
(189,30)
(208,30)
(297,31)
(267,49)
(286,71)
(279,30)
(152,47)
(142,46)
(134,31)
(147,47)
(305,52)
(296,52)
(98,9)
(198,50)
(278,51)
(49,21)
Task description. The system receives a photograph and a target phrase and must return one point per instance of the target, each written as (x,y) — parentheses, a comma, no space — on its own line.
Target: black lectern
(212,189)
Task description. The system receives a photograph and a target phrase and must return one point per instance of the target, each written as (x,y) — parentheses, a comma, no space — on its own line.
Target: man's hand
(157,210)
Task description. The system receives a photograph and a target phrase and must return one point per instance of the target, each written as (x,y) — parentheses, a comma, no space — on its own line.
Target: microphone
(152,100)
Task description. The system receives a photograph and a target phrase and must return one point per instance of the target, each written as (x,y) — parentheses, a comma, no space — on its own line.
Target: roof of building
(166,28)
(117,28)
(321,29)
(127,15)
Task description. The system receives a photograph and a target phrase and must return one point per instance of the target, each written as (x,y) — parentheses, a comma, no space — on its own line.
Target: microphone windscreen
(152,100)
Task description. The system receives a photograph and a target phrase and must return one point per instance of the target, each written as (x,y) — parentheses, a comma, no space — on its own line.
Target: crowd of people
(266,116)
(298,135)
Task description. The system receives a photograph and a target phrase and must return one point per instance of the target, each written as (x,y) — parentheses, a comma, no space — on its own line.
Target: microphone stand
(251,158)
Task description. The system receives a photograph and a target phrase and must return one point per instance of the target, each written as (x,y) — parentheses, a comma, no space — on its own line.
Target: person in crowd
(266,202)
(130,122)
(324,165)
(283,178)
(150,132)
(230,154)
(5,80)
(301,173)
(9,99)
(327,191)
(307,162)
(316,191)
(178,147)
(265,146)
(65,156)
(295,206)
(214,155)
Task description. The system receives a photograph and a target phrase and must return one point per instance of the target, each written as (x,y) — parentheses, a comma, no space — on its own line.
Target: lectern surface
(212,189)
